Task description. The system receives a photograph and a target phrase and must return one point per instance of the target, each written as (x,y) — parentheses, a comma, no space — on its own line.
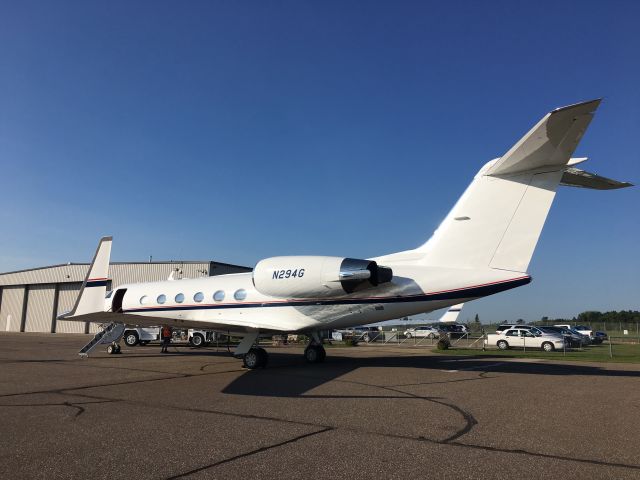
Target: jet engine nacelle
(313,277)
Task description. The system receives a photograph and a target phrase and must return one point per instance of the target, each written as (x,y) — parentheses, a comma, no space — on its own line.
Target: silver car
(422,332)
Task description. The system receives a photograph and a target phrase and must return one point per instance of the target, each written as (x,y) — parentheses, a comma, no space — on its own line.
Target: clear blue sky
(241,130)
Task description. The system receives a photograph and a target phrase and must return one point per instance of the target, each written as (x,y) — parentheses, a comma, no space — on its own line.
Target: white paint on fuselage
(265,313)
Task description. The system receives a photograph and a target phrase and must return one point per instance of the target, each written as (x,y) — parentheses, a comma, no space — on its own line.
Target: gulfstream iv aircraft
(483,246)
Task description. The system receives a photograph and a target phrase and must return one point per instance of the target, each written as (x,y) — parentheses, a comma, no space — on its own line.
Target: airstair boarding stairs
(109,334)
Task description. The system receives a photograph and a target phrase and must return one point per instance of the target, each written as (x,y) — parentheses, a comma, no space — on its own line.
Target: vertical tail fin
(498,220)
(91,296)
(451,315)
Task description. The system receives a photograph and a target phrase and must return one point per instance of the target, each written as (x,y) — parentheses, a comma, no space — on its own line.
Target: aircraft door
(116,303)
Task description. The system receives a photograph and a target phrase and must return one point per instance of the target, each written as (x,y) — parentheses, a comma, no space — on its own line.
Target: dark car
(599,337)
(573,340)
(453,330)
(366,334)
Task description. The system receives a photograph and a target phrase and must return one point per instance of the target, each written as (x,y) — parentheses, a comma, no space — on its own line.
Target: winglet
(91,296)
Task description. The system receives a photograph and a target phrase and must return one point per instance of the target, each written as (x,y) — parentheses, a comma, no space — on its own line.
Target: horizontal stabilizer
(574,177)
(550,143)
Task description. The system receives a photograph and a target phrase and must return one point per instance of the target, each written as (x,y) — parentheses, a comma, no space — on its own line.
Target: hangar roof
(121,272)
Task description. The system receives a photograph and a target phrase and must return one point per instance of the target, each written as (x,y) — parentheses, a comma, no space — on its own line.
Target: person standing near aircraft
(166,339)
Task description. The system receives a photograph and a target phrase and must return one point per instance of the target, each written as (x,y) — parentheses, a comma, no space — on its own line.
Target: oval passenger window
(218,296)
(180,298)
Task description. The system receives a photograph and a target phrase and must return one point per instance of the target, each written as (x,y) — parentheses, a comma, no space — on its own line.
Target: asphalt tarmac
(367,412)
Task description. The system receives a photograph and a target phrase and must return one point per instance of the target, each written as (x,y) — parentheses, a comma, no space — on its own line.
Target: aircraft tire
(255,358)
(314,354)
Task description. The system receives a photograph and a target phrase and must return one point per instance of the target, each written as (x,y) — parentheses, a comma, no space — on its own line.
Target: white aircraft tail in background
(451,315)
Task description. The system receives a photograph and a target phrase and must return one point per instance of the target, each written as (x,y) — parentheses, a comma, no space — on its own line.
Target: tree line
(613,318)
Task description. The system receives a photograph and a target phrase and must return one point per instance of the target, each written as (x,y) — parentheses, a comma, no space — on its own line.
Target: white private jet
(482,247)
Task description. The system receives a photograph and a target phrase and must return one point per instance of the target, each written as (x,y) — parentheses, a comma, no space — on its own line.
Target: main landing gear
(252,357)
(315,352)
(257,357)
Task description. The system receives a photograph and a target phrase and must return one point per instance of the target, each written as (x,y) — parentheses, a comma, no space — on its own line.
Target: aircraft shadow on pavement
(288,375)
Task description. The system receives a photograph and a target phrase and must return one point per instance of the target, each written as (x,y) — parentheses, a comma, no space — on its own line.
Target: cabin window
(198,297)
(240,294)
(144,299)
(180,298)
(161,298)
(219,296)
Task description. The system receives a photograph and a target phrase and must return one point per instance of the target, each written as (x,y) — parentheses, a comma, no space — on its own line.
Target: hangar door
(39,308)
(66,300)
(11,309)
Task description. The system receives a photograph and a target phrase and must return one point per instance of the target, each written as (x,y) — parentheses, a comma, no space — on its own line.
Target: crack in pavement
(252,452)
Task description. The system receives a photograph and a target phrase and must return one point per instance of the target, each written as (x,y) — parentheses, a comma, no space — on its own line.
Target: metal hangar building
(30,300)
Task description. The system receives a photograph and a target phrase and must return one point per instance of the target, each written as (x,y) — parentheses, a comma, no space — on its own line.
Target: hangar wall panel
(66,300)
(12,298)
(39,308)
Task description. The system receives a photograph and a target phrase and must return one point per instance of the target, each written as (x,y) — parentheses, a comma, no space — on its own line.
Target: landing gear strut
(315,352)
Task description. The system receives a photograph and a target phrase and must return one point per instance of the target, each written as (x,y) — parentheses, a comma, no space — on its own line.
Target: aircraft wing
(149,321)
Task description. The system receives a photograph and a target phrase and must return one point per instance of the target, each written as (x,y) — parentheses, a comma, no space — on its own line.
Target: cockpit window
(109,293)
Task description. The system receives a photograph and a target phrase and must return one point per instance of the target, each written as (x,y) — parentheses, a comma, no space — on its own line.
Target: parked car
(362,334)
(506,326)
(525,337)
(599,337)
(140,335)
(585,337)
(573,340)
(428,332)
(453,330)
